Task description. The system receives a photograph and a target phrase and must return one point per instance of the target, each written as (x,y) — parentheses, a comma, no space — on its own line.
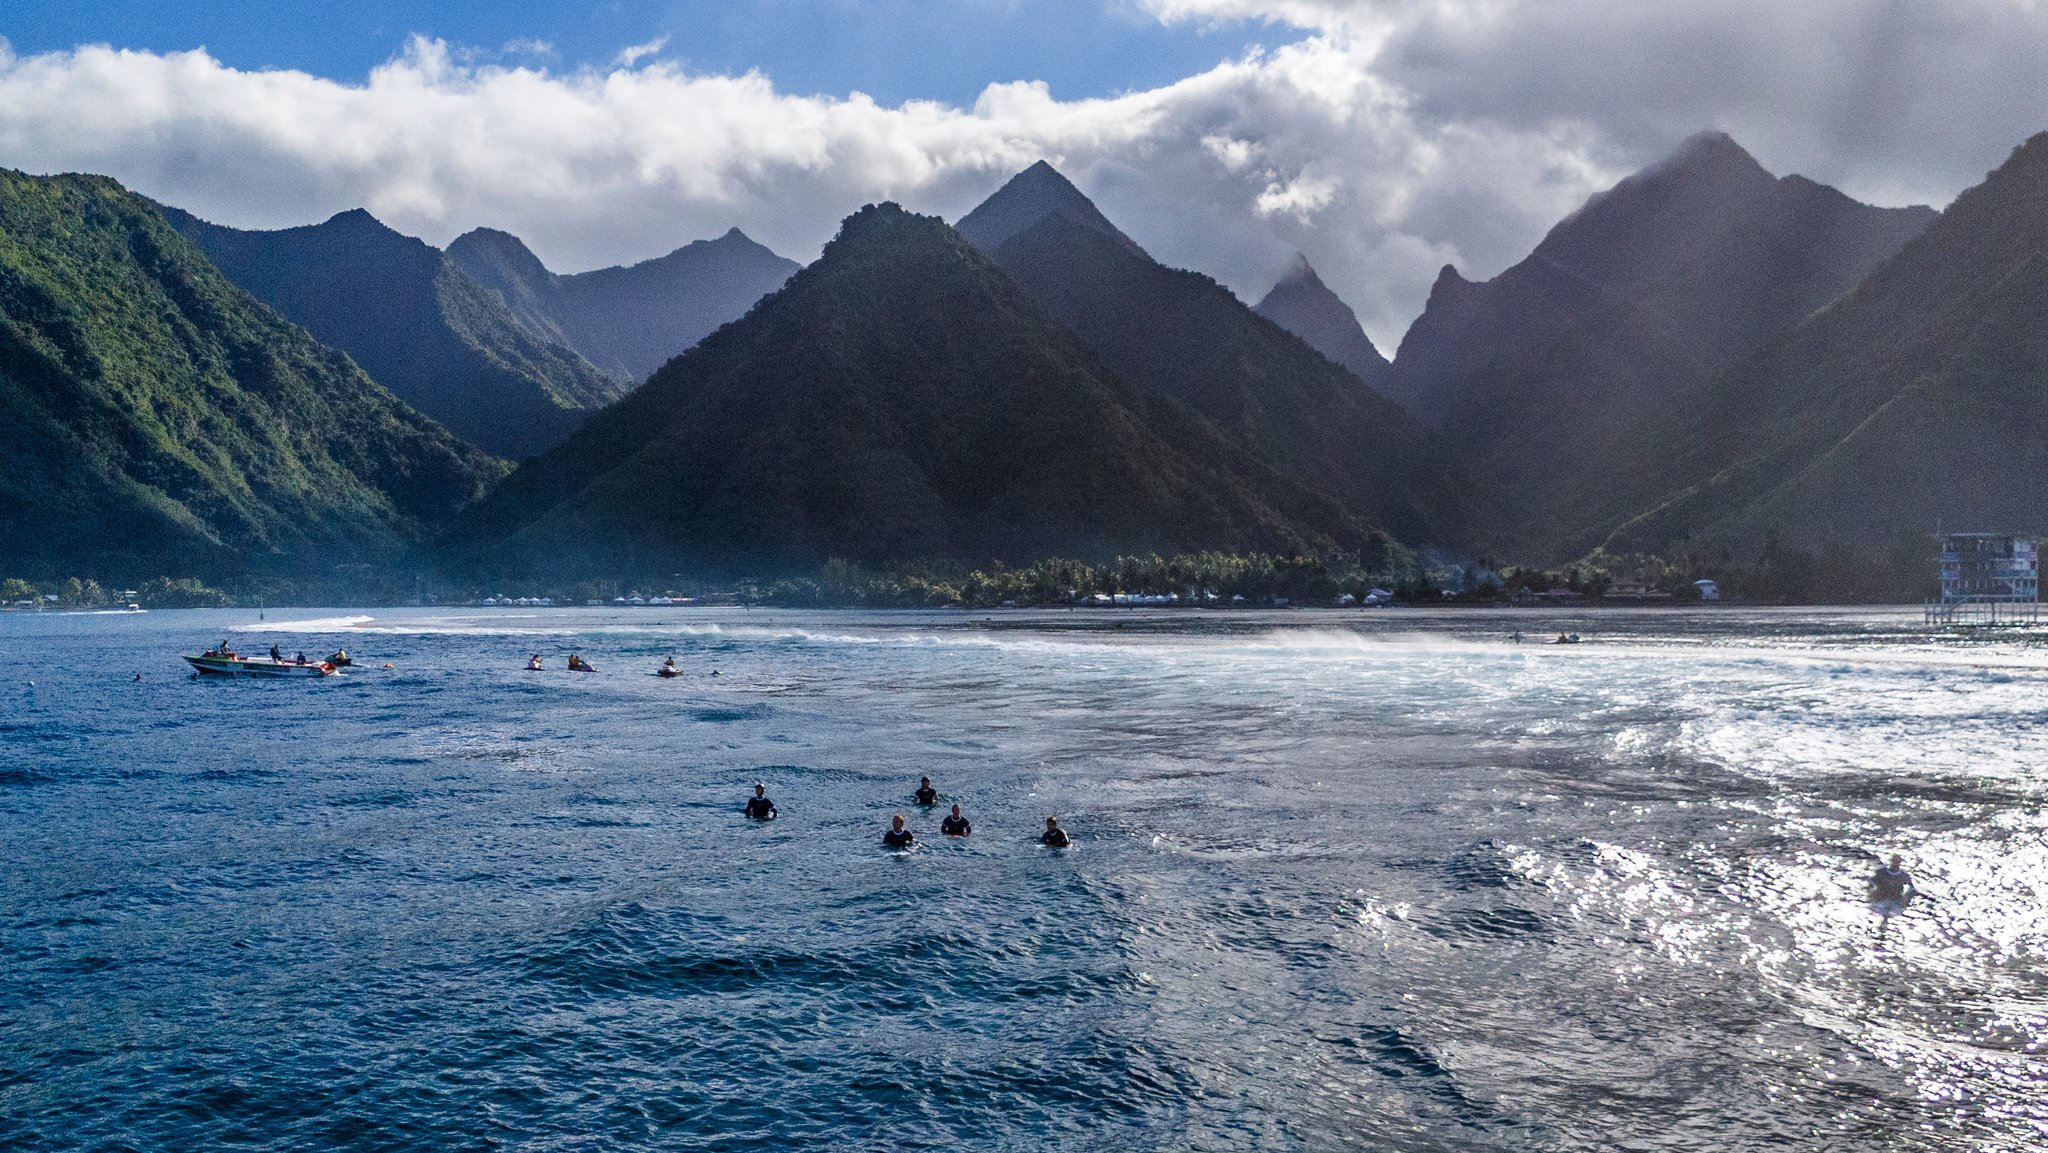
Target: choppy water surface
(1376,880)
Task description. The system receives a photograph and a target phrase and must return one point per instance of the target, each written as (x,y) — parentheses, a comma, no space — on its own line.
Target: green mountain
(1181,336)
(421,327)
(162,421)
(899,399)
(1557,381)
(1303,305)
(1916,400)
(627,320)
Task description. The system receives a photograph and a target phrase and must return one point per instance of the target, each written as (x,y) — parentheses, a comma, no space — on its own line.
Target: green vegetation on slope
(898,399)
(1184,337)
(161,420)
(418,324)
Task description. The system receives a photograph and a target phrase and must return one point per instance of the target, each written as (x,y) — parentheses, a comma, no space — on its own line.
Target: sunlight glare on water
(1381,880)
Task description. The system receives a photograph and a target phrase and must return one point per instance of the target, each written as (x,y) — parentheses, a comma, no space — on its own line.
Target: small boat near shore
(218,664)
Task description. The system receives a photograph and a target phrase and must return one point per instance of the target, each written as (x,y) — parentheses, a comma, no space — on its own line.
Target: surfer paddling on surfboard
(1891,890)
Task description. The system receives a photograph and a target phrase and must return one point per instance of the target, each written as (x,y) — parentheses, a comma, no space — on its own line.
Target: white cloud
(634,54)
(1387,138)
(528,46)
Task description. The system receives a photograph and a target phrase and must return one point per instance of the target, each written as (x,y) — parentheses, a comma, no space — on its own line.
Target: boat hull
(245,667)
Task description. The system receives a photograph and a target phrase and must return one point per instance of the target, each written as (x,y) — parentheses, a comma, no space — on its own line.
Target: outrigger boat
(220,664)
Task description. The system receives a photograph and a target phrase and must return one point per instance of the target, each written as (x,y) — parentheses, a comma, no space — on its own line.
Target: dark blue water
(1377,881)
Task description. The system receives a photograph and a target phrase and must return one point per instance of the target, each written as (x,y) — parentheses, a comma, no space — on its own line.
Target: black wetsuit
(955,827)
(926,795)
(761,808)
(1890,885)
(1057,838)
(899,838)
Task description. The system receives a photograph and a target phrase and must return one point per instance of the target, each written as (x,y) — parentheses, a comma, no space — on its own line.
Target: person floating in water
(669,669)
(898,837)
(1891,890)
(1054,835)
(956,825)
(759,806)
(926,795)
(533,663)
(578,665)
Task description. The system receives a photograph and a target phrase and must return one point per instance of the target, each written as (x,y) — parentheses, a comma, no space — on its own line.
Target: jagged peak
(493,236)
(1711,147)
(496,247)
(357,218)
(1299,271)
(1029,197)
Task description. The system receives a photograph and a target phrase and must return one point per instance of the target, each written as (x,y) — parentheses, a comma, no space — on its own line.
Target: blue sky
(893,50)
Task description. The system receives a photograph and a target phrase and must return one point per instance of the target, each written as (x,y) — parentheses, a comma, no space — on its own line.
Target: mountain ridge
(627,319)
(415,322)
(898,399)
(164,422)
(1182,336)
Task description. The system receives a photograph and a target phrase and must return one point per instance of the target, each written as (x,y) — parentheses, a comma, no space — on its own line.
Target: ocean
(1378,879)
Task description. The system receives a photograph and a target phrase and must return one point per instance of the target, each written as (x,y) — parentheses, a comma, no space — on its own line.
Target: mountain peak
(1299,271)
(357,219)
(1711,149)
(1029,197)
(495,247)
(1303,305)
(1449,285)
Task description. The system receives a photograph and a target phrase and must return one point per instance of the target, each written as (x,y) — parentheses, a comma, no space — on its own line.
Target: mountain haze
(416,323)
(1562,376)
(1181,336)
(626,320)
(1303,305)
(160,421)
(1619,243)
(1920,399)
(899,399)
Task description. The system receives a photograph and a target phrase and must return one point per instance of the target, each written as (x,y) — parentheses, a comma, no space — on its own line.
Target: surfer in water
(759,806)
(1891,890)
(926,795)
(956,825)
(898,837)
(533,663)
(1053,835)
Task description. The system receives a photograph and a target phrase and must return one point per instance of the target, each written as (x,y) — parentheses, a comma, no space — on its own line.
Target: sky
(1381,138)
